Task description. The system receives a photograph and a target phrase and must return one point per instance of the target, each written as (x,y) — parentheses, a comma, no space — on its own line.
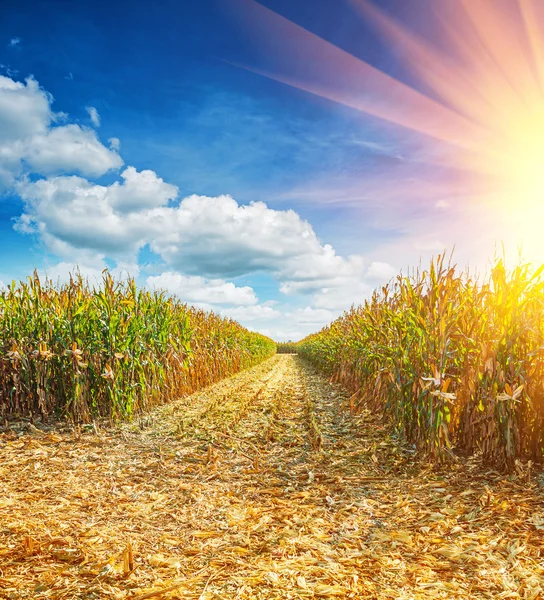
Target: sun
(489,69)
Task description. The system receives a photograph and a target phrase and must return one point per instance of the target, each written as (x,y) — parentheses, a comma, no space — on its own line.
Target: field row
(111,350)
(260,487)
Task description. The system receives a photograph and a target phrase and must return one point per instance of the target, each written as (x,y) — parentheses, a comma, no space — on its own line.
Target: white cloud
(354,282)
(93,271)
(313,316)
(240,304)
(248,315)
(198,290)
(32,142)
(93,115)
(246,238)
(212,238)
(139,192)
(380,272)
(115,144)
(282,324)
(283,335)
(312,273)
(14,42)
(61,272)
(25,109)
(341,298)
(70,148)
(71,215)
(219,237)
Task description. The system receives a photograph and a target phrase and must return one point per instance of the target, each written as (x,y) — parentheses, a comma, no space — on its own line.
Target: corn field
(110,350)
(286,348)
(454,363)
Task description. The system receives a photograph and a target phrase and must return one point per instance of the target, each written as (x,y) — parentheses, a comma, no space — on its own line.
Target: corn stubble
(110,350)
(456,364)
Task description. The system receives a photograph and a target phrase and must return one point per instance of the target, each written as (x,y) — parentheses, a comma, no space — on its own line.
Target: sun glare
(484,94)
(520,167)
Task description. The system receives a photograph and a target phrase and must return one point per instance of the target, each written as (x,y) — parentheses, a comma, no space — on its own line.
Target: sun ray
(333,73)
(533,16)
(480,105)
(498,26)
(443,75)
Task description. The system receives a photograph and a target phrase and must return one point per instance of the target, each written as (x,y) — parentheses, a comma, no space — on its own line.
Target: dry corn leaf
(322,590)
(158,560)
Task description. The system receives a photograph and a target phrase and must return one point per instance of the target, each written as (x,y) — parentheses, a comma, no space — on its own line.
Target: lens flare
(479,104)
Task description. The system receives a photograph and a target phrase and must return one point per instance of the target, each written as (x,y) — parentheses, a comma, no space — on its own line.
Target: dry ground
(261,486)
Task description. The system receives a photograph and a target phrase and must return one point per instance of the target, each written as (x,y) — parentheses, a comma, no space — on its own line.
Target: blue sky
(134,107)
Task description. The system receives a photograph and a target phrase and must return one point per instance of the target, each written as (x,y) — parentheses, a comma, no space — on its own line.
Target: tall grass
(110,350)
(452,362)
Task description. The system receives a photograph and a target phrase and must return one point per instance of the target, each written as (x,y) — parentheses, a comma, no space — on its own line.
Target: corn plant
(110,350)
(286,348)
(454,363)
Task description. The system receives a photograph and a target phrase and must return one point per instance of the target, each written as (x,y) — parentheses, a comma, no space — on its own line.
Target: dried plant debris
(261,486)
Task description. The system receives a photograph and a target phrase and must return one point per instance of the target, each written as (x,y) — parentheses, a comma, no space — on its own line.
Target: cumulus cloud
(279,322)
(31,141)
(246,238)
(313,316)
(248,315)
(198,290)
(115,144)
(342,297)
(93,272)
(93,115)
(312,273)
(62,271)
(219,237)
(226,299)
(25,109)
(139,192)
(282,324)
(72,215)
(15,41)
(380,272)
(70,148)
(215,238)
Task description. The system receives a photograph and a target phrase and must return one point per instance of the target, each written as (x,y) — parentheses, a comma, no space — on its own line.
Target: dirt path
(261,486)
